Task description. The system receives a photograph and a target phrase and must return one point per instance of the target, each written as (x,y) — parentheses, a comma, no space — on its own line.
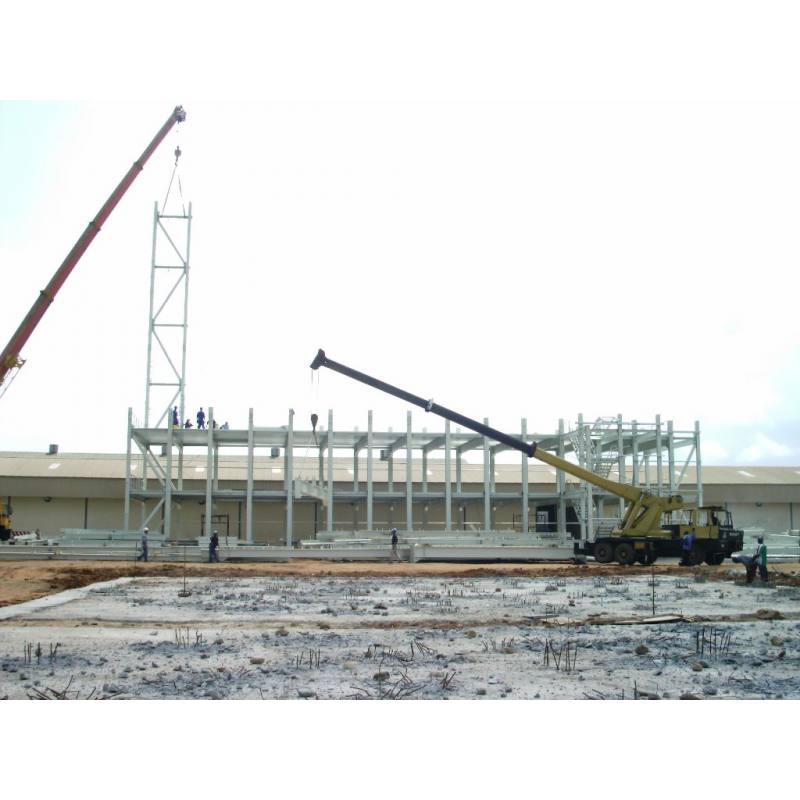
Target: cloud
(713,451)
(762,448)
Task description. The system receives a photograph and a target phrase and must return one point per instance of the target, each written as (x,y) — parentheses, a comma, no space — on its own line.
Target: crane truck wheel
(715,559)
(603,553)
(646,559)
(625,554)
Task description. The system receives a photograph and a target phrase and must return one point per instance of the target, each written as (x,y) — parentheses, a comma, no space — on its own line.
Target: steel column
(370,516)
(288,478)
(209,474)
(448,489)
(621,462)
(167,529)
(126,511)
(671,456)
(409,477)
(659,456)
(487,482)
(562,485)
(524,436)
(250,470)
(698,464)
(330,470)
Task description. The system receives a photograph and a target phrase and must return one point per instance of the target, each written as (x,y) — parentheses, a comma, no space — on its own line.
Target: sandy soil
(27,580)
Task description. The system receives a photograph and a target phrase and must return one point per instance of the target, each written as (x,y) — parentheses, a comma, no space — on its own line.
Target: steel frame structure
(172,235)
(652,455)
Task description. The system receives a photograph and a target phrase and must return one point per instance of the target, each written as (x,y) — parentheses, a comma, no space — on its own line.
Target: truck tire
(625,554)
(646,559)
(715,559)
(603,553)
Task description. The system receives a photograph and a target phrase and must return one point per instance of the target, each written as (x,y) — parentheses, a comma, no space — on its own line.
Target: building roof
(234,468)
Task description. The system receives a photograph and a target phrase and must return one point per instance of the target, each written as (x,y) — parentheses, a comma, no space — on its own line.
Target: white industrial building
(278,485)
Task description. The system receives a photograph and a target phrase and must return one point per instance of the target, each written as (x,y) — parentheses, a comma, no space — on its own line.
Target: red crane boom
(10,357)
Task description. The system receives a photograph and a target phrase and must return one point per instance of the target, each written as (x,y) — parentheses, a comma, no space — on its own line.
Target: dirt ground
(27,580)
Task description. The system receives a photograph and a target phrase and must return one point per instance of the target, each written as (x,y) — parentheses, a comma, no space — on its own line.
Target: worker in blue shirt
(686,548)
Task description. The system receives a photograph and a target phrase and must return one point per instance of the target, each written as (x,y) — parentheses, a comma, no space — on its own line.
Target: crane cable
(178,154)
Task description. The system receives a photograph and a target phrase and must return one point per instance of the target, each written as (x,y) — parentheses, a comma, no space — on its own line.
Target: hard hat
(146,529)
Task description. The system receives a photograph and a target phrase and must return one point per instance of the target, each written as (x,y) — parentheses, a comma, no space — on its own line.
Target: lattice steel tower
(168,321)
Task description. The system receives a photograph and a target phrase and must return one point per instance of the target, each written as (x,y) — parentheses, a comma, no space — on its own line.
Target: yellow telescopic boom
(644,511)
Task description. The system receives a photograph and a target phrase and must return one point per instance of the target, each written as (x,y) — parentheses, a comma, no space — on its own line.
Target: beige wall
(772,517)
(68,507)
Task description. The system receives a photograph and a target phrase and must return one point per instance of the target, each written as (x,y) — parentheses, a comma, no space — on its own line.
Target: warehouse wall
(52,504)
(772,517)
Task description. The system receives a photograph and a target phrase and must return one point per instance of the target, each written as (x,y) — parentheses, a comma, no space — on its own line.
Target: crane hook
(177,154)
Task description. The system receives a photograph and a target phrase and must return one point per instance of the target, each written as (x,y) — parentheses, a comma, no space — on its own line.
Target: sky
(619,237)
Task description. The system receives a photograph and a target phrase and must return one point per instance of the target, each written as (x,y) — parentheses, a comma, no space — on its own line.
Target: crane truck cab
(711,526)
(714,534)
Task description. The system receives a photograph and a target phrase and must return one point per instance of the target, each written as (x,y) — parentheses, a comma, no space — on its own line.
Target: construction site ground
(323,630)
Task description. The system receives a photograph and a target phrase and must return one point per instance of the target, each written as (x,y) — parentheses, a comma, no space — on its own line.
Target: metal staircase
(597,449)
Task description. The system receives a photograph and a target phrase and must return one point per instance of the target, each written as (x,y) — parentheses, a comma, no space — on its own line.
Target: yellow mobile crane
(641,536)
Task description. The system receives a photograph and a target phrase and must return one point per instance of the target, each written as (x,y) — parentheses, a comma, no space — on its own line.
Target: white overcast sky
(520,210)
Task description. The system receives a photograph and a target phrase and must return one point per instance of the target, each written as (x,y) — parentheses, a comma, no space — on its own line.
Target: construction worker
(213,547)
(760,559)
(394,556)
(176,423)
(201,419)
(686,548)
(143,555)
